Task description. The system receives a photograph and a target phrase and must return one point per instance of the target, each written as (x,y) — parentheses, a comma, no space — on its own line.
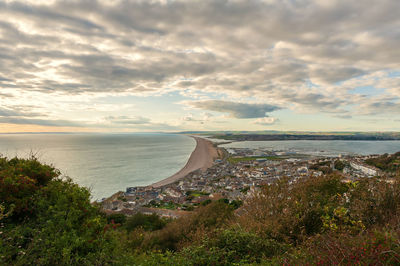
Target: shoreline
(202,158)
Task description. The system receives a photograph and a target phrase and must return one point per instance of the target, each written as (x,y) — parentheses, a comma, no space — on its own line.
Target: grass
(164,205)
(196,193)
(248,159)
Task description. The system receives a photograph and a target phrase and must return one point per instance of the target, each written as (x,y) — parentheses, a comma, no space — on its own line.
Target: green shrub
(386,162)
(20,179)
(340,165)
(233,245)
(223,200)
(117,218)
(53,222)
(294,211)
(375,248)
(147,222)
(236,204)
(206,202)
(189,228)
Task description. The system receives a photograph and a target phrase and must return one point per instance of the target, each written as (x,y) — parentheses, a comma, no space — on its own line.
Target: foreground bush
(294,212)
(46,220)
(376,247)
(20,179)
(233,245)
(146,222)
(191,228)
(51,221)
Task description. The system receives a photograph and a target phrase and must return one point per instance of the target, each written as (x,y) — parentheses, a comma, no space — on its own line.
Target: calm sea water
(324,148)
(106,163)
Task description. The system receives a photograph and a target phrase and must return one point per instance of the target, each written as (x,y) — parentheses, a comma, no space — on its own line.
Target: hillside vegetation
(388,163)
(49,220)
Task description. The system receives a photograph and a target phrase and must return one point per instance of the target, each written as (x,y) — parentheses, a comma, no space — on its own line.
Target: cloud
(307,56)
(333,74)
(189,118)
(379,106)
(17,111)
(110,122)
(235,109)
(41,122)
(266,121)
(26,115)
(207,116)
(126,120)
(132,122)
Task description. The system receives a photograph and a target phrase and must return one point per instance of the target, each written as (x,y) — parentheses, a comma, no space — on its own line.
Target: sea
(107,163)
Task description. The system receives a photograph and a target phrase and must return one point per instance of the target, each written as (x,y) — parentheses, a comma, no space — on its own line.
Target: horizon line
(192,132)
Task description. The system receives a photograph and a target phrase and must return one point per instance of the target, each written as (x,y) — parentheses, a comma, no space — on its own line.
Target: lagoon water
(106,163)
(323,147)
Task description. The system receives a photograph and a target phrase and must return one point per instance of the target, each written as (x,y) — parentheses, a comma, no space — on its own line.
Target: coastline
(202,157)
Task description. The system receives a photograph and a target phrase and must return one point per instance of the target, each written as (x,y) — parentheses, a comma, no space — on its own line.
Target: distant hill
(297,135)
(270,137)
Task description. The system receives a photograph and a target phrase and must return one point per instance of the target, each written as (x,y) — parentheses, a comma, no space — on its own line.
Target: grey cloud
(27,115)
(206,117)
(379,106)
(134,122)
(41,122)
(18,111)
(271,49)
(190,118)
(344,116)
(68,123)
(126,120)
(5,95)
(24,118)
(266,121)
(4,79)
(14,34)
(48,14)
(237,110)
(335,74)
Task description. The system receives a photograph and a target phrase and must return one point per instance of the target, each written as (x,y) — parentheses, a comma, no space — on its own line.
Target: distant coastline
(201,158)
(277,137)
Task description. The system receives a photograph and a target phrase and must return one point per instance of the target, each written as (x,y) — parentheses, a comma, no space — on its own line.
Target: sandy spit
(202,158)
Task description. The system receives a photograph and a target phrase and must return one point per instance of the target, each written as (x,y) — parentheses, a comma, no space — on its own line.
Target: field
(247,159)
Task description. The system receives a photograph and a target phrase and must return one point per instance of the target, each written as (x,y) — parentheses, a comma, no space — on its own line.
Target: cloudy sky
(118,66)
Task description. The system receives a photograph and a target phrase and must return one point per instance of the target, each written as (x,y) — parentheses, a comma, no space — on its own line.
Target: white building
(363,168)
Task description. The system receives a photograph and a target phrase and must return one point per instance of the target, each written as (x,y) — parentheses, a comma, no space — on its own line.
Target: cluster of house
(232,181)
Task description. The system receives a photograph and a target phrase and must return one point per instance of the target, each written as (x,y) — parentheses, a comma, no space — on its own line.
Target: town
(234,178)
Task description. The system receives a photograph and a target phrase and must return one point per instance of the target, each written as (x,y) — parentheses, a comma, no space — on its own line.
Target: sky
(144,66)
